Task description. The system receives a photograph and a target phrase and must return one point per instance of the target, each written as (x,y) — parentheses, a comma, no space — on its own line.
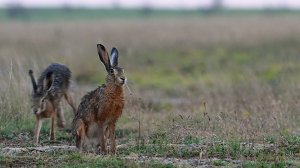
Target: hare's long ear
(34,86)
(103,55)
(48,80)
(114,57)
(47,84)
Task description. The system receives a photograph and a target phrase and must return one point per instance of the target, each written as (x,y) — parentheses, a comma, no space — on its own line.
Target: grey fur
(52,85)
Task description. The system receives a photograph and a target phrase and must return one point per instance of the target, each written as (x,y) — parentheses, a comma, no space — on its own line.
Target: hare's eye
(111,71)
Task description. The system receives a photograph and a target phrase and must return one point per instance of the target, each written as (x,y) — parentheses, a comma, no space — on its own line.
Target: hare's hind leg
(38,126)
(60,117)
(80,135)
(52,136)
(111,131)
(70,101)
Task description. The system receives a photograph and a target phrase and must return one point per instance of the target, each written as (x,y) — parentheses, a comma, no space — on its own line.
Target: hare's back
(59,70)
(61,74)
(90,104)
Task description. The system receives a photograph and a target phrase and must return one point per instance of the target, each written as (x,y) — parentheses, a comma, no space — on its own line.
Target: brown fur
(52,85)
(102,106)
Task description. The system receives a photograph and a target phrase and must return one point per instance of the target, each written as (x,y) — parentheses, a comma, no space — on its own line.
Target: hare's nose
(122,78)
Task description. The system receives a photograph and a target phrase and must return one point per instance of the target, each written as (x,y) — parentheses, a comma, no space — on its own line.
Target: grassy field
(226,87)
(67,13)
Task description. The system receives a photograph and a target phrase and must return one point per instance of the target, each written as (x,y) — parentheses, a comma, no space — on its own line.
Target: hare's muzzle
(122,80)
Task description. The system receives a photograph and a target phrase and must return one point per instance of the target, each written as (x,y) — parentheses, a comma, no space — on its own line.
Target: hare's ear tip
(114,49)
(100,45)
(30,72)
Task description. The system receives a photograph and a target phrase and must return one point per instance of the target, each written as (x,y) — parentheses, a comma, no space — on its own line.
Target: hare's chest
(111,111)
(116,110)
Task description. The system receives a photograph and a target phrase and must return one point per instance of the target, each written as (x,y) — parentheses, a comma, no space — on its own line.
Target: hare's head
(40,101)
(115,74)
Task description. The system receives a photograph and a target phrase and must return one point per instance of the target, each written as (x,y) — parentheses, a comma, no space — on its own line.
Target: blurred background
(207,68)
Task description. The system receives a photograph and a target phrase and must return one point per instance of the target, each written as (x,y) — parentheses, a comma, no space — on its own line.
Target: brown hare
(103,105)
(47,93)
